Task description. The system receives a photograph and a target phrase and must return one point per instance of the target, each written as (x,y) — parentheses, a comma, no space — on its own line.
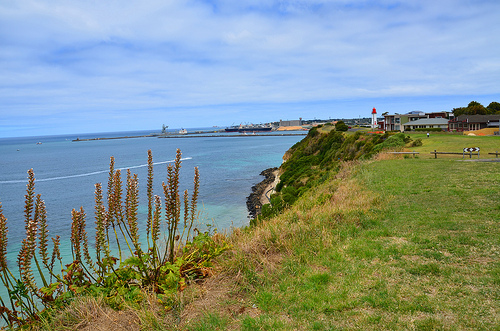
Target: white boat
(183,131)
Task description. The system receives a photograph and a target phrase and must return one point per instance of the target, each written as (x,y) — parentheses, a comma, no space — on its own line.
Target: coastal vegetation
(122,266)
(385,243)
(354,238)
(310,161)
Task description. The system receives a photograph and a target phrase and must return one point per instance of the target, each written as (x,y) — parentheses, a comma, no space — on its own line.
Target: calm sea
(66,172)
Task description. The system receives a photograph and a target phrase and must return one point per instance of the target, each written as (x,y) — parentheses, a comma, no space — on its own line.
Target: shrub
(395,141)
(417,142)
(309,160)
(341,126)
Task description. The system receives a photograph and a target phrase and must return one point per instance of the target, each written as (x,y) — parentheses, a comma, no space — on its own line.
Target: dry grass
(89,313)
(258,254)
(346,257)
(364,250)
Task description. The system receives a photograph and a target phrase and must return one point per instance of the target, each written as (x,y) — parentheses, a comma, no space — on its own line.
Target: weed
(163,267)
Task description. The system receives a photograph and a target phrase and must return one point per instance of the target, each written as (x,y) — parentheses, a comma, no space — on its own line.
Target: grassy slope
(391,244)
(385,244)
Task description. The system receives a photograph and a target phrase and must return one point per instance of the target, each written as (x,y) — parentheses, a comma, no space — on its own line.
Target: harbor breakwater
(196,135)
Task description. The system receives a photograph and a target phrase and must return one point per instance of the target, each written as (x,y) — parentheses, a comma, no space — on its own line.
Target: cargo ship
(250,128)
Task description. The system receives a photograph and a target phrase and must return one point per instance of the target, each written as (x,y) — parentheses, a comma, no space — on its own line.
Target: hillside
(381,244)
(353,240)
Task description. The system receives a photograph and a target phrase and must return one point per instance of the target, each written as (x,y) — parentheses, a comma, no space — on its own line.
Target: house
(473,122)
(427,123)
(393,122)
(396,122)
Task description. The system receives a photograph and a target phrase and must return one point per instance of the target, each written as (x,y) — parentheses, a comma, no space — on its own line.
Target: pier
(197,134)
(235,135)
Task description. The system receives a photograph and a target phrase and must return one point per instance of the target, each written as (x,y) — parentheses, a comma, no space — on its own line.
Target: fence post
(435,154)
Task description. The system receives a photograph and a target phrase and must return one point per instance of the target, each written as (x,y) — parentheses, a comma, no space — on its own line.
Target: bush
(395,141)
(417,142)
(341,126)
(290,194)
(313,132)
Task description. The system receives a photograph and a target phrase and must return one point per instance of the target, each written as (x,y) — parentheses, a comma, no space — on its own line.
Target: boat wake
(88,173)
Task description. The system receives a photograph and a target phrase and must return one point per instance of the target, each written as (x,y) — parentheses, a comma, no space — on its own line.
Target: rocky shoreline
(254,200)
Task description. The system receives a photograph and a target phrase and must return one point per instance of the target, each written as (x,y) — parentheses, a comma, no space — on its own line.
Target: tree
(459,111)
(341,126)
(475,108)
(493,108)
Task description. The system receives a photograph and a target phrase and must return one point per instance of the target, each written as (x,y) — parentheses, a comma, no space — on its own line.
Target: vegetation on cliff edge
(363,241)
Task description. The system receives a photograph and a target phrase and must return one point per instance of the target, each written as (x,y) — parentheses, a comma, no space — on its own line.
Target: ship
(249,128)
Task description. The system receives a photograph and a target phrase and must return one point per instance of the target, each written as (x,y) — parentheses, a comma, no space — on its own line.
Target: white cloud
(85,56)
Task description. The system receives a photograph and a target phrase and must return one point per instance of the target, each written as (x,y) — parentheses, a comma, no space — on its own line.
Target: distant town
(412,121)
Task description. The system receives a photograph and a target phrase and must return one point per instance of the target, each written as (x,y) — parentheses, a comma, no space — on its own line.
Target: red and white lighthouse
(374,119)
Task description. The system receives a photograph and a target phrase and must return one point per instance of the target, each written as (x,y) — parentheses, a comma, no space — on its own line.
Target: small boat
(183,131)
(39,143)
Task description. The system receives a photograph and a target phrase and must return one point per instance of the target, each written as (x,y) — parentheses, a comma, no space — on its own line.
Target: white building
(427,123)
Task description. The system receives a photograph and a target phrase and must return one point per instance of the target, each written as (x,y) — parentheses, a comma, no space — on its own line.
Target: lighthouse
(374,119)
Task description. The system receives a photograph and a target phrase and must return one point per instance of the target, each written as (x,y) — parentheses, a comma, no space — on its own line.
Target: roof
(412,113)
(477,118)
(428,121)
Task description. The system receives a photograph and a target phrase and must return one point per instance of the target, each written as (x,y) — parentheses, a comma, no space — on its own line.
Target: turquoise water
(66,172)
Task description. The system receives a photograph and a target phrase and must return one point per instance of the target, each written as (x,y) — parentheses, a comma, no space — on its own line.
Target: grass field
(443,142)
(389,244)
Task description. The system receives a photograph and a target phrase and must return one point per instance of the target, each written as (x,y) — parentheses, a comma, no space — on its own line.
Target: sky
(84,66)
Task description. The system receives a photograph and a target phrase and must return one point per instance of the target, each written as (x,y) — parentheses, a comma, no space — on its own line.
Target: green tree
(341,126)
(459,111)
(475,108)
(493,108)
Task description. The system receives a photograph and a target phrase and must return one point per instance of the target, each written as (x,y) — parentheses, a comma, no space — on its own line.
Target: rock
(254,203)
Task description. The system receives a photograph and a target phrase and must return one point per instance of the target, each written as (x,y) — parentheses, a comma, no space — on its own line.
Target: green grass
(443,142)
(391,244)
(402,244)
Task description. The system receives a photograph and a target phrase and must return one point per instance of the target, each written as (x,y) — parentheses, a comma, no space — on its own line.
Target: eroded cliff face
(254,200)
(287,155)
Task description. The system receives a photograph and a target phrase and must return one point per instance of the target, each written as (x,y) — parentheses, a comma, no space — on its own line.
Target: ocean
(66,172)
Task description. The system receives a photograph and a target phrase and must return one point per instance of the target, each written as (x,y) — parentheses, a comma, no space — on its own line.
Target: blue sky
(92,66)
